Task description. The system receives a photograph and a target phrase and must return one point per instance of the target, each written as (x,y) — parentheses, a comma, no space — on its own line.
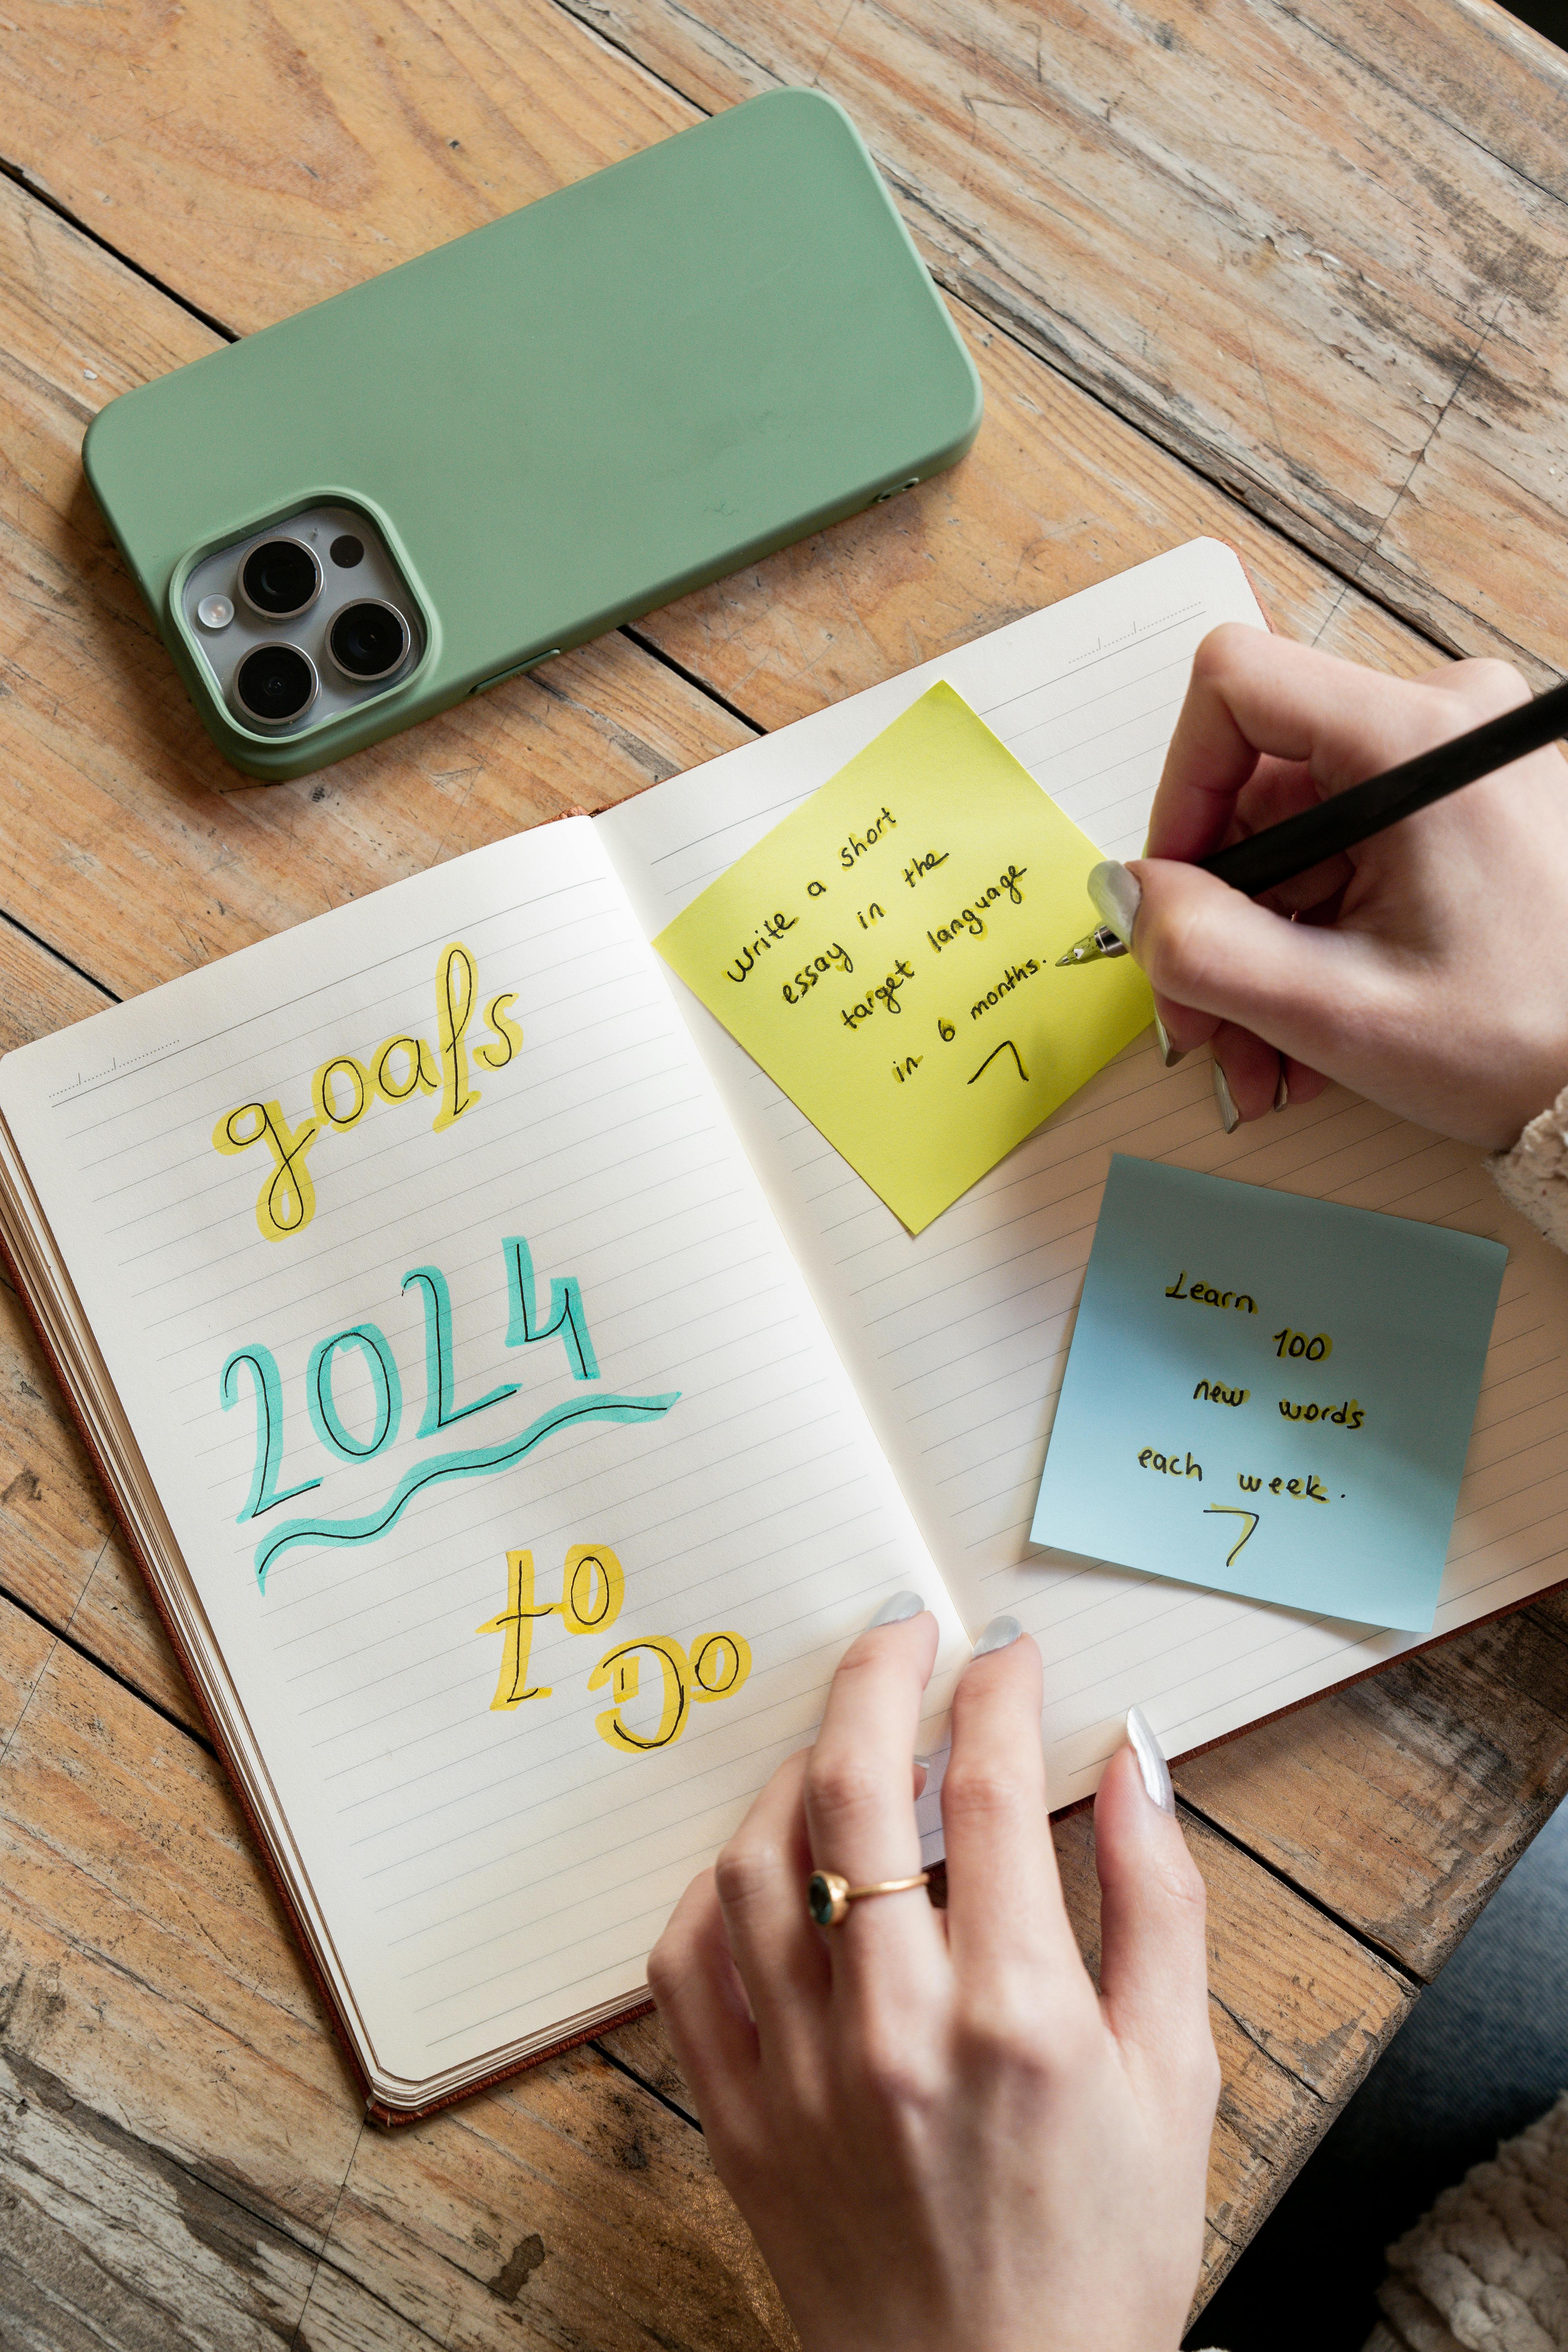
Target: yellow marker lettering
(287,1202)
(592,1588)
(719,1664)
(516,1620)
(419,1067)
(455,996)
(506,1033)
(324,1092)
(622,1670)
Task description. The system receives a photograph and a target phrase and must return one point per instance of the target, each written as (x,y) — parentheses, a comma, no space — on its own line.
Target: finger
(1252,694)
(691,1976)
(860,1810)
(1209,759)
(1154,1967)
(1183,1024)
(1304,1085)
(1487,687)
(1252,1069)
(761,1879)
(1006,1917)
(1301,987)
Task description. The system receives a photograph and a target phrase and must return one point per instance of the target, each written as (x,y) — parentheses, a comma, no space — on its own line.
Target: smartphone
(560,420)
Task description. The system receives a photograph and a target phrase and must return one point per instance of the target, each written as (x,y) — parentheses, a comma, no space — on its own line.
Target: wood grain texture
(177,2124)
(259,159)
(1400,1803)
(38,993)
(1314,250)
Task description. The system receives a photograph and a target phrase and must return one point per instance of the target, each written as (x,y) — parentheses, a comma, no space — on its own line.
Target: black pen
(1299,843)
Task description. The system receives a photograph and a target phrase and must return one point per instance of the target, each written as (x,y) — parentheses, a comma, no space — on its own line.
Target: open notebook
(516,1405)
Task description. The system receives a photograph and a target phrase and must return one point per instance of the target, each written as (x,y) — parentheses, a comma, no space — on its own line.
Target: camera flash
(214,612)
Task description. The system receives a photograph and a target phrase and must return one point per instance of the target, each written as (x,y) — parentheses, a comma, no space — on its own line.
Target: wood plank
(38,993)
(1274,238)
(110,2241)
(130,840)
(1402,1802)
(22,1660)
(1466,539)
(186,2100)
(282,154)
(567,2206)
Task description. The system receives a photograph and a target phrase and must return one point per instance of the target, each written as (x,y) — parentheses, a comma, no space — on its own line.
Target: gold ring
(829,1896)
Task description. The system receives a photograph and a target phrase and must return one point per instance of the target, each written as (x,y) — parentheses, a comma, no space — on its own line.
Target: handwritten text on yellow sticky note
(887,954)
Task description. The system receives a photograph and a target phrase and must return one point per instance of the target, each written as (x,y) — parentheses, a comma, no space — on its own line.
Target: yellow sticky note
(887,954)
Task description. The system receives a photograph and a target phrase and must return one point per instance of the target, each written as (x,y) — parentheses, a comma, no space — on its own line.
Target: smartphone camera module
(304,622)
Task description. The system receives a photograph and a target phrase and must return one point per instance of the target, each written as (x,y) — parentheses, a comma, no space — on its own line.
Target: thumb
(1153,1969)
(1298,986)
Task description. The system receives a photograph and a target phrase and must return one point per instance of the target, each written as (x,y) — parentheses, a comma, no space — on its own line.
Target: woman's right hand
(1428,968)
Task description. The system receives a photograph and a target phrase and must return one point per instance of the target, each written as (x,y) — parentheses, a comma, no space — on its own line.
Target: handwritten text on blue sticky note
(1270,1395)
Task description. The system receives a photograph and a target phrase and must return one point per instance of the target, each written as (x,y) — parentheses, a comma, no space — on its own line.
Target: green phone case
(569,417)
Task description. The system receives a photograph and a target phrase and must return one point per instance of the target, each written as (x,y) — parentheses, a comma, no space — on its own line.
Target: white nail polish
(1170,1055)
(922,1763)
(1230,1116)
(1000,1634)
(1282,1091)
(894,1612)
(1116,897)
(1151,1764)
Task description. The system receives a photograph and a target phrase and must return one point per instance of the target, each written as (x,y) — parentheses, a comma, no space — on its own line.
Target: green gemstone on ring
(819,1899)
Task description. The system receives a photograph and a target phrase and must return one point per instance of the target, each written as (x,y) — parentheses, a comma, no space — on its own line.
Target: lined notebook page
(483,1873)
(957,1339)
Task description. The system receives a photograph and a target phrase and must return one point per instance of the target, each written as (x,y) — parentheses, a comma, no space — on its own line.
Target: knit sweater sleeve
(1533,1177)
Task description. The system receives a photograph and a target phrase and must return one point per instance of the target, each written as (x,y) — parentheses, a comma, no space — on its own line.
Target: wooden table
(1294,274)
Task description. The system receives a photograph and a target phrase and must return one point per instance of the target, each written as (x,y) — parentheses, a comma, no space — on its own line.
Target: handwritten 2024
(345,1088)
(527,1326)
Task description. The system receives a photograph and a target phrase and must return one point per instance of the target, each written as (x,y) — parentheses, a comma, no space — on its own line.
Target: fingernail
(1116,897)
(1230,1116)
(922,1763)
(1282,1091)
(1151,1764)
(894,1612)
(999,1634)
(1170,1055)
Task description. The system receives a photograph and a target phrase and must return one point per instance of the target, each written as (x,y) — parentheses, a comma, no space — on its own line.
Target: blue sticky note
(1270,1395)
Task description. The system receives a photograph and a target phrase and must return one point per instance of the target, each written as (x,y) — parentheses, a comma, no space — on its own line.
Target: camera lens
(281,576)
(368,640)
(276,683)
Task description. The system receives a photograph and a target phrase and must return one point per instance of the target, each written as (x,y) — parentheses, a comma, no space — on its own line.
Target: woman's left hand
(942,2136)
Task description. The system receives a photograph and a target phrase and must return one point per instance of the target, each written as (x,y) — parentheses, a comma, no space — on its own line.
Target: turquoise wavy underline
(469,1464)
